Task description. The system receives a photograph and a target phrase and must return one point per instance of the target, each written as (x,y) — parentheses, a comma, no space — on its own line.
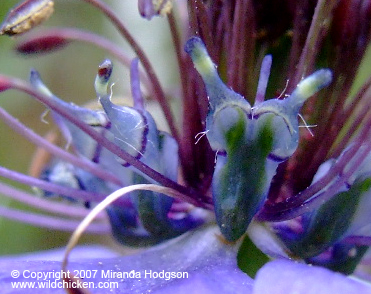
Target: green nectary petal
(250,141)
(240,179)
(135,131)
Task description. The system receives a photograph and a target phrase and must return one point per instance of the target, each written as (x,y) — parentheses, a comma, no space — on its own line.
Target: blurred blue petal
(211,266)
(80,252)
(287,277)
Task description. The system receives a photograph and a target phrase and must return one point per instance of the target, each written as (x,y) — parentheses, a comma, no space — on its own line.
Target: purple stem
(157,89)
(291,209)
(57,151)
(361,98)
(311,47)
(47,186)
(88,37)
(44,204)
(263,79)
(189,195)
(135,85)
(50,222)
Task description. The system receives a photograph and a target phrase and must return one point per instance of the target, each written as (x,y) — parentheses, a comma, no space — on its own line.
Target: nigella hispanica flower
(239,180)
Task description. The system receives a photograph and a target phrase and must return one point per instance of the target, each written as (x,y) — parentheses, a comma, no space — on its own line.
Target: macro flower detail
(322,239)
(250,141)
(133,130)
(217,188)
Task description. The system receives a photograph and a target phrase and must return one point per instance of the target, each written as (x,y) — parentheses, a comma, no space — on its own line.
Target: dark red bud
(5,84)
(40,45)
(105,70)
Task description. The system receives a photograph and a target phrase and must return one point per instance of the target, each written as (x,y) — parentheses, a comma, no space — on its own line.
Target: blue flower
(198,262)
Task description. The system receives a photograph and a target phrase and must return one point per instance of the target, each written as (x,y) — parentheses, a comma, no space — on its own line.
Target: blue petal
(79,253)
(211,266)
(287,277)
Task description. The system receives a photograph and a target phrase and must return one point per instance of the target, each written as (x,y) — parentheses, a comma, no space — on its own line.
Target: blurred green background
(70,74)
